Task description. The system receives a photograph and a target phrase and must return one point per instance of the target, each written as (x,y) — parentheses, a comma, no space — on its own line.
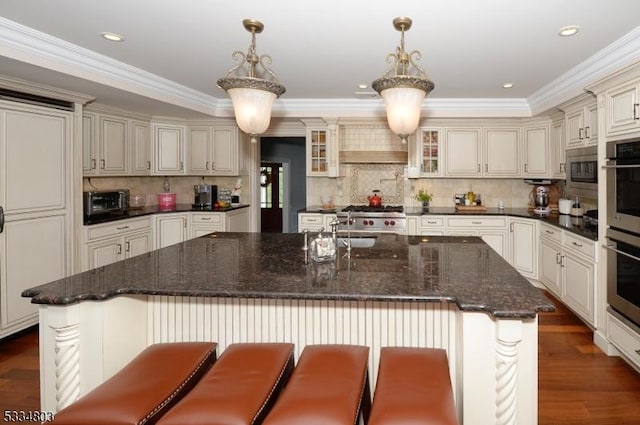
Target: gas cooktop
(367,208)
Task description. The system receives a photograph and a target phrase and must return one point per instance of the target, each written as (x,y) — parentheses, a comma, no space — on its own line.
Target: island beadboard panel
(305,322)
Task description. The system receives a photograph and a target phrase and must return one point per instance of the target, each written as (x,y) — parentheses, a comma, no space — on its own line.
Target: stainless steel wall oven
(623,273)
(623,185)
(623,232)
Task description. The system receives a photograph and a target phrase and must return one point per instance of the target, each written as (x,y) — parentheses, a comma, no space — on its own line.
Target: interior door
(271,196)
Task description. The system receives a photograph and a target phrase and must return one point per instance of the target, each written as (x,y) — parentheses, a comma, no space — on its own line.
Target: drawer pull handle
(205,218)
(122,227)
(432,222)
(638,352)
(549,232)
(579,245)
(119,251)
(127,246)
(476,222)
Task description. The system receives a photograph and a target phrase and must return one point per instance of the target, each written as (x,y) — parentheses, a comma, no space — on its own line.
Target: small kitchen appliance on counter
(105,202)
(541,200)
(552,190)
(205,195)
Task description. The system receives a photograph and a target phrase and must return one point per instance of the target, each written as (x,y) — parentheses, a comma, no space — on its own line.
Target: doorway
(271,196)
(289,154)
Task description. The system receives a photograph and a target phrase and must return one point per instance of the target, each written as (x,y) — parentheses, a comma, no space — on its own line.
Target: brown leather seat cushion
(145,388)
(327,387)
(238,389)
(413,387)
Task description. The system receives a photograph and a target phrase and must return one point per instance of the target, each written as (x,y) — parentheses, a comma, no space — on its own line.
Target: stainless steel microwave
(582,172)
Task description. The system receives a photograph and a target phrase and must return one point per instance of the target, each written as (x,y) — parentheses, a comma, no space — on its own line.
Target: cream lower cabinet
(523,242)
(171,228)
(111,242)
(314,222)
(567,268)
(625,336)
(492,230)
(203,223)
(430,225)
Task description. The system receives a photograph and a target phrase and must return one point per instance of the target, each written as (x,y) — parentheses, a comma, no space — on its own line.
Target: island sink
(357,241)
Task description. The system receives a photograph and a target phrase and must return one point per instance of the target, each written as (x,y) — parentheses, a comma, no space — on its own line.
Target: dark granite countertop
(155,209)
(571,224)
(463,270)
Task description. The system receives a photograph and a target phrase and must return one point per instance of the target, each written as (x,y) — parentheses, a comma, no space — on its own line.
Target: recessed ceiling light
(568,31)
(362,86)
(111,36)
(507,85)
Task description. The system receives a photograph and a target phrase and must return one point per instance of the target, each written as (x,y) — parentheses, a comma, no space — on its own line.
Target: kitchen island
(454,293)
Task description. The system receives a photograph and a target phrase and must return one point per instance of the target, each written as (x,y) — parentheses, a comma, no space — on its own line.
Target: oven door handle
(617,251)
(622,166)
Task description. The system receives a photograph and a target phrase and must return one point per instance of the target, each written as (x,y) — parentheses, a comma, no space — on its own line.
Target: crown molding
(617,55)
(28,45)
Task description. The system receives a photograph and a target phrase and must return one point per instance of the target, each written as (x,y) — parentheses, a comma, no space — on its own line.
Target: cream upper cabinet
(225,151)
(536,151)
(213,151)
(501,153)
(168,149)
(557,149)
(89,145)
(317,152)
(114,144)
(581,122)
(140,152)
(623,109)
(463,152)
(425,153)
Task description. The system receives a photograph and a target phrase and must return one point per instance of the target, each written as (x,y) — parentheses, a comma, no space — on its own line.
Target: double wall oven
(623,232)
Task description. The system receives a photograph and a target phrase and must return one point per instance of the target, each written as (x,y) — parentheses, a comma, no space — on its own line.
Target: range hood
(373,157)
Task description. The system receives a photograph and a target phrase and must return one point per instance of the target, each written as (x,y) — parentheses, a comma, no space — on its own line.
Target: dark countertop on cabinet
(155,209)
(463,270)
(571,224)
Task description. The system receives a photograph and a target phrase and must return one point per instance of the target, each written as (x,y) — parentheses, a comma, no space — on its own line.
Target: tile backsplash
(359,179)
(152,185)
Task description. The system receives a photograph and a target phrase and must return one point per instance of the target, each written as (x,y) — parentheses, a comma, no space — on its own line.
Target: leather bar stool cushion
(239,389)
(329,386)
(413,387)
(145,388)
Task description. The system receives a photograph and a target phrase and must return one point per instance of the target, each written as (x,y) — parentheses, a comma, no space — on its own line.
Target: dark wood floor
(578,384)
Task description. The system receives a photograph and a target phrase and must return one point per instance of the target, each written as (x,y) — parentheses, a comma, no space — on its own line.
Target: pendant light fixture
(403,87)
(252,86)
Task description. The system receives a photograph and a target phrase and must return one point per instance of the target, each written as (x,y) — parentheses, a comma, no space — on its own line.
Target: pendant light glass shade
(403,105)
(252,109)
(252,95)
(403,87)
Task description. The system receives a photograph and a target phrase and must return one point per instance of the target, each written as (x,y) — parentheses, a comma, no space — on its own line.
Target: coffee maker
(205,195)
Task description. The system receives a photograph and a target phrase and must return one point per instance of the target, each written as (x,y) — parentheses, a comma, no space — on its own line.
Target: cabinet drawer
(311,219)
(119,227)
(207,218)
(551,232)
(475,222)
(430,221)
(624,338)
(579,244)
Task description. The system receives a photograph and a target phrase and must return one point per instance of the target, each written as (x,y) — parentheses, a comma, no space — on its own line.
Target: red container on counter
(167,201)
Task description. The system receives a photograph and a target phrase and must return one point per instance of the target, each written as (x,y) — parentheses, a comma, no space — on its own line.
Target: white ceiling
(176,50)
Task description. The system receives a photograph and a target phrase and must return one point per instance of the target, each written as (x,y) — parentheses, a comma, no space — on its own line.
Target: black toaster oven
(105,202)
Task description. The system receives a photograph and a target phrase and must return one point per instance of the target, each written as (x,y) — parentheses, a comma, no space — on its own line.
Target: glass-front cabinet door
(425,158)
(317,150)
